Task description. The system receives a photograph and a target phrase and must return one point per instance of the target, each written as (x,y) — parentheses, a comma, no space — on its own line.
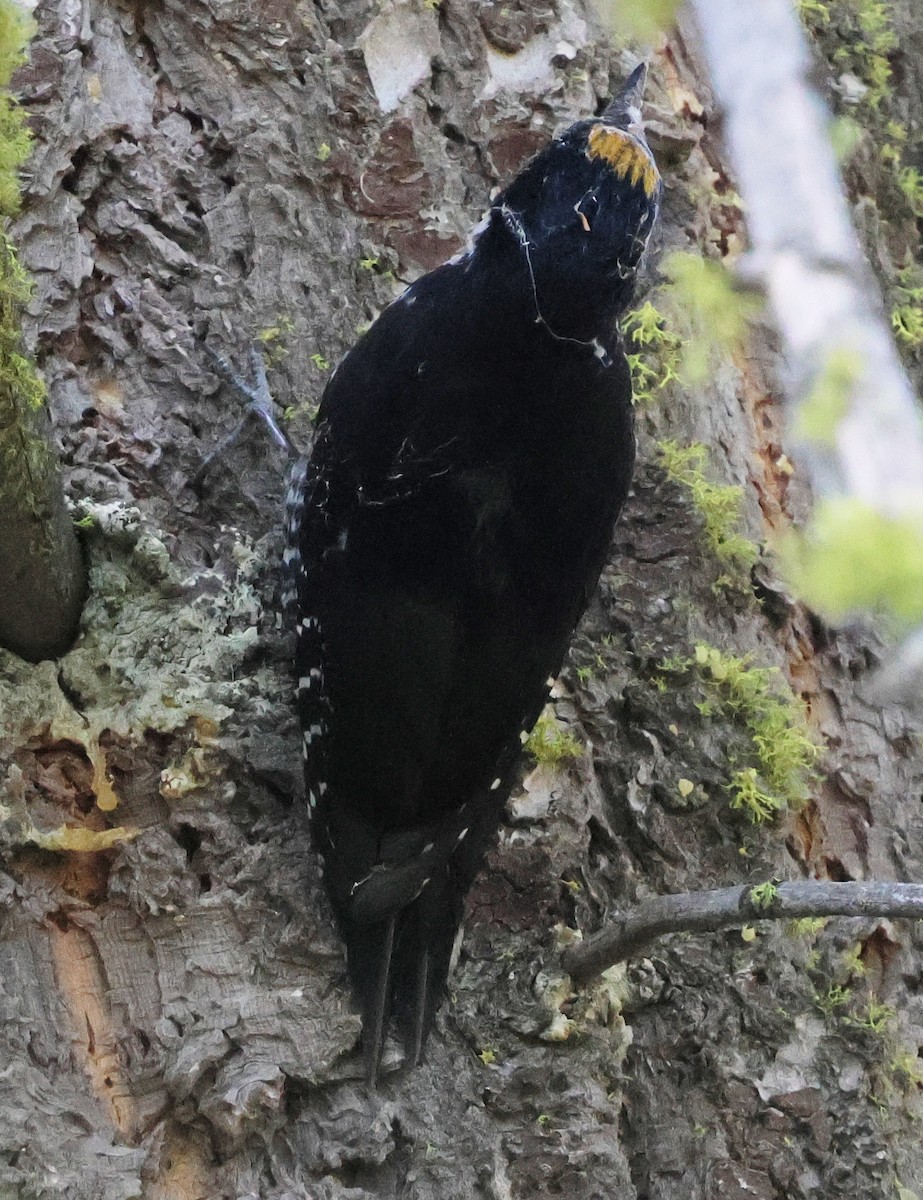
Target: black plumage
(472,453)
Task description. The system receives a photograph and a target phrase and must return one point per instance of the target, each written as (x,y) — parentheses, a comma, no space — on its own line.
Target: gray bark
(174,1015)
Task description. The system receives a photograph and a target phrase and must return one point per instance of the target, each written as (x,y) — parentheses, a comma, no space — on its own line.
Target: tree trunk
(174,1015)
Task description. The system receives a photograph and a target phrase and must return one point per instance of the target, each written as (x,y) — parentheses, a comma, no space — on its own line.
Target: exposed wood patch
(83,986)
(183,1173)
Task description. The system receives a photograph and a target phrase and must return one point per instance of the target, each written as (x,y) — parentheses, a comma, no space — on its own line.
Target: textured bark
(174,1015)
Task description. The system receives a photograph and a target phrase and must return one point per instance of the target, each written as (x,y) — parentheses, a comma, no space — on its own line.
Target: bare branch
(723,908)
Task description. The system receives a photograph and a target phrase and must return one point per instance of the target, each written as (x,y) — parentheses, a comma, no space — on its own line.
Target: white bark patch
(399,45)
(795,1063)
(531,69)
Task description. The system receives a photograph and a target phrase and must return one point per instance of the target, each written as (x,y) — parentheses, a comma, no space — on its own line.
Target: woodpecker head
(583,209)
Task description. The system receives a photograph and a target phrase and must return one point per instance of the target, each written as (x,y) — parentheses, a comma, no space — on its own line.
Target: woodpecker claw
(259,404)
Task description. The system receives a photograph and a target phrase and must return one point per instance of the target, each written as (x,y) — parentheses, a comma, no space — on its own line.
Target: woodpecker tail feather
(424,951)
(370,956)
(400,917)
(399,966)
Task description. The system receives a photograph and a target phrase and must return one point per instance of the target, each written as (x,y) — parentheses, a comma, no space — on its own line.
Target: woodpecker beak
(624,109)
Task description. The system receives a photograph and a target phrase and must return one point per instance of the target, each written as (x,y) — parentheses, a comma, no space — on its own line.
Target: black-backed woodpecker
(471,456)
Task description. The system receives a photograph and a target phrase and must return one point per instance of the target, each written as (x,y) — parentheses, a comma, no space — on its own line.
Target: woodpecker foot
(259,406)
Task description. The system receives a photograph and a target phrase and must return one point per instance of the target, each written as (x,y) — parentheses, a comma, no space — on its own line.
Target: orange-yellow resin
(624,156)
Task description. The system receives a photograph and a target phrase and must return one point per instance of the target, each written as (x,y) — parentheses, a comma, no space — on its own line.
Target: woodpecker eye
(586,208)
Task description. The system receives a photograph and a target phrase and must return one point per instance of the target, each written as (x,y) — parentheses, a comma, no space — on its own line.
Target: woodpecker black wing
(472,453)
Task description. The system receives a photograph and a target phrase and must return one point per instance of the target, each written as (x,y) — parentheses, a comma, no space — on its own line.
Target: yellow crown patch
(624,156)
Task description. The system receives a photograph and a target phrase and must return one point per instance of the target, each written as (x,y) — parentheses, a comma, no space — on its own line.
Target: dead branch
(630,933)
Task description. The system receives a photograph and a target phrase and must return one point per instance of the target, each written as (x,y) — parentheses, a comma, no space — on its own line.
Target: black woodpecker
(472,453)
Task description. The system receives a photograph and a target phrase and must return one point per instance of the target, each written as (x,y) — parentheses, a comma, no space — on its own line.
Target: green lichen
(719,505)
(907,313)
(320,362)
(832,999)
(845,138)
(324,151)
(860,41)
(374,265)
(865,39)
(639,20)
(549,742)
(827,401)
(15,141)
(307,409)
(806,926)
(855,558)
(653,352)
(276,333)
(17,373)
(907,323)
(910,181)
(851,960)
(781,750)
(763,895)
(701,318)
(843,993)
(870,55)
(905,1065)
(718,313)
(749,795)
(774,717)
(875,1017)
(273,339)
(813,10)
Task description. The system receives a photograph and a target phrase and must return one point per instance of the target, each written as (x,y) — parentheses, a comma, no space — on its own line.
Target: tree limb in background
(629,934)
(854,415)
(42,579)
